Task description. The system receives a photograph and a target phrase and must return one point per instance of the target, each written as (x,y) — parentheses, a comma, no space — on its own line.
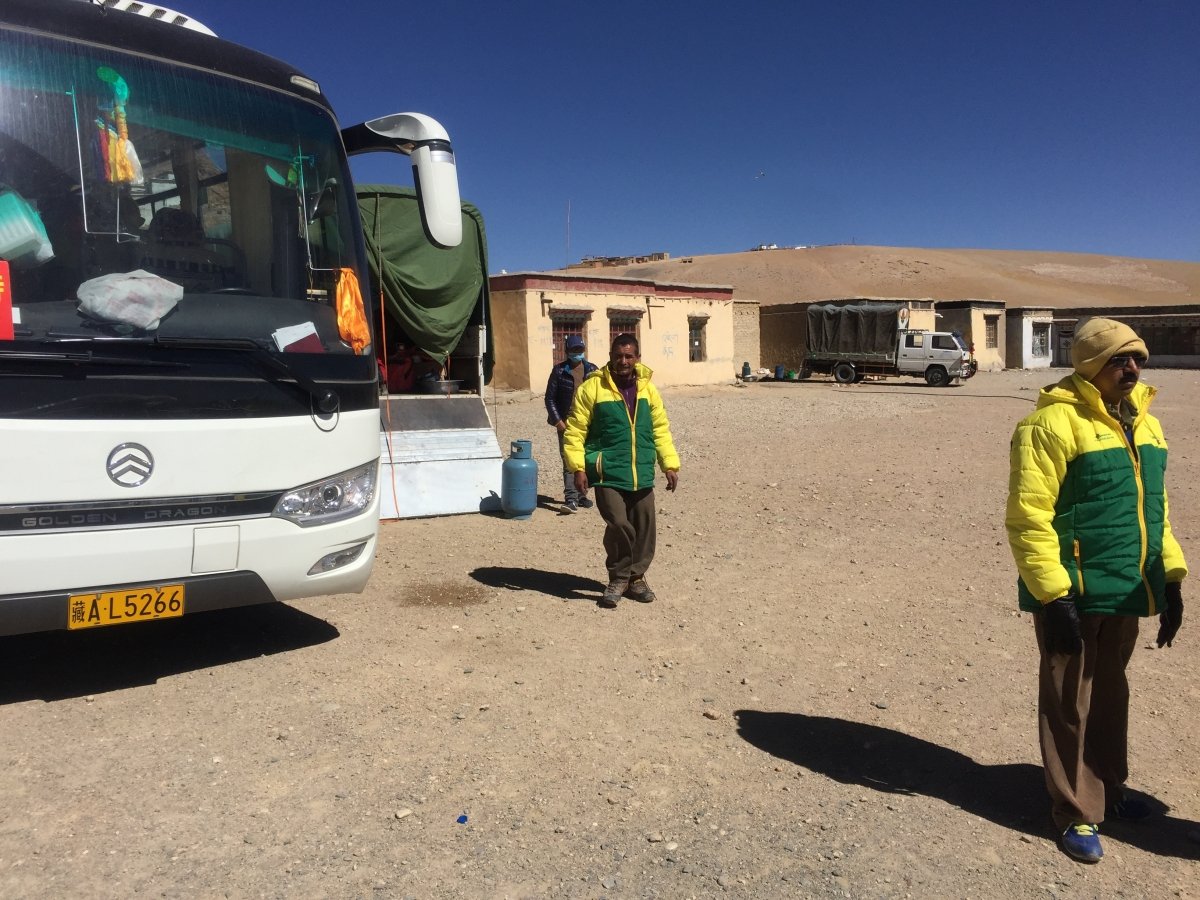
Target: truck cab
(939,356)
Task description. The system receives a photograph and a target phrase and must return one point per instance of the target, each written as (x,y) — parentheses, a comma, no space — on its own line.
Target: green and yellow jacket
(618,450)
(1085,510)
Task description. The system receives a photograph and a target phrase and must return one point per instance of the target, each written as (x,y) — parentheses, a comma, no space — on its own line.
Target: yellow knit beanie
(1097,340)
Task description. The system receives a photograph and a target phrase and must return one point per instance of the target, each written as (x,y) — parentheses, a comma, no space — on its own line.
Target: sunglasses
(1121,362)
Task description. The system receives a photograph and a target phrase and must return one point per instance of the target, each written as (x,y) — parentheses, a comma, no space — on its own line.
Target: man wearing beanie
(1088,526)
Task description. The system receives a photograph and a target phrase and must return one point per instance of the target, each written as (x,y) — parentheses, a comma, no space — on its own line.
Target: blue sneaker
(1081,841)
(585,503)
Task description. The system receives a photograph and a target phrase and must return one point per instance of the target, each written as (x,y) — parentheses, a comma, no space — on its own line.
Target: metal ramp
(438,456)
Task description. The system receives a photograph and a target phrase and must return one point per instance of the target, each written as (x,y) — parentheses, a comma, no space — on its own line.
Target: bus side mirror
(436,178)
(426,143)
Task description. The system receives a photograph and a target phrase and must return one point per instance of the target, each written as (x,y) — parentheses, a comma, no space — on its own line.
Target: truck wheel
(843,373)
(936,376)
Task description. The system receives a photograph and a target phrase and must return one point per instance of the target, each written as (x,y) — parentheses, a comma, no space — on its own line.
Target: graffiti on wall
(669,341)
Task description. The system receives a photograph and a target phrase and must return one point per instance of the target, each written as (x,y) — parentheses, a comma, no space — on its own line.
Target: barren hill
(1019,278)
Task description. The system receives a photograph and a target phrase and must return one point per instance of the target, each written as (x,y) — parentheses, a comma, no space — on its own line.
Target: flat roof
(587,281)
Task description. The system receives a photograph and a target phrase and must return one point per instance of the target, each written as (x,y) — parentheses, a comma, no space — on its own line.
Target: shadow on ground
(56,665)
(1013,795)
(557,584)
(496,511)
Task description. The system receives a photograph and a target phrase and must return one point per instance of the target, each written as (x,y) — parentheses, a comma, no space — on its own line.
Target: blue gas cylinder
(779,372)
(746,369)
(518,481)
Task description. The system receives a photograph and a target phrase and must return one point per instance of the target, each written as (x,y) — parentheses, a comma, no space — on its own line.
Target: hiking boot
(613,593)
(639,590)
(1081,841)
(585,503)
(570,507)
(1129,809)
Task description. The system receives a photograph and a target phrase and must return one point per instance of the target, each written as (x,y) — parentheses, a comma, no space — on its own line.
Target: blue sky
(710,127)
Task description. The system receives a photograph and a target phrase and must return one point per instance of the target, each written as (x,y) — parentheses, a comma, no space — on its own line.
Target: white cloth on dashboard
(138,298)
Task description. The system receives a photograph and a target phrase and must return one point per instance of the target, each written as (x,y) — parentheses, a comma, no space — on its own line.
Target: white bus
(189,396)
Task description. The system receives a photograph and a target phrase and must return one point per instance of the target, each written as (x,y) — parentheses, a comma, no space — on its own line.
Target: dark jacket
(560,391)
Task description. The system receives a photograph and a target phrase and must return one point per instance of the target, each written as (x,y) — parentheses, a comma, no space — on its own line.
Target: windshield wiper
(325,398)
(89,358)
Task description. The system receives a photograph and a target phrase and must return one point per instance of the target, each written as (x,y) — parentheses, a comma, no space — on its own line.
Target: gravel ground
(833,697)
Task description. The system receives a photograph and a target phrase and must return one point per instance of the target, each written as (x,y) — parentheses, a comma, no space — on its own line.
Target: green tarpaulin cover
(432,293)
(864,329)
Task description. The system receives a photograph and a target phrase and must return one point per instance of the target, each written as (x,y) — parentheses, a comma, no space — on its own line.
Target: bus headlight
(330,500)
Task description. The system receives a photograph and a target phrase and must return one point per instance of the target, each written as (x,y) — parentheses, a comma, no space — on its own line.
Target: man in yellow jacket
(615,433)
(1088,527)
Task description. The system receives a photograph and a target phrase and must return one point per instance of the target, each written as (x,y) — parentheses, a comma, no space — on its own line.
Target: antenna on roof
(154,11)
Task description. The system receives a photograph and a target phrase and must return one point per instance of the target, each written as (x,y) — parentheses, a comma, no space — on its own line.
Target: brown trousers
(630,533)
(1083,718)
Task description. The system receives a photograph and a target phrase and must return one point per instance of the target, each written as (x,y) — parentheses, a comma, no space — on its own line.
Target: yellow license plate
(137,604)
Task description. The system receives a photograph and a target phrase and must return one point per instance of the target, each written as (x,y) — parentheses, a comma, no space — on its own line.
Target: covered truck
(853,340)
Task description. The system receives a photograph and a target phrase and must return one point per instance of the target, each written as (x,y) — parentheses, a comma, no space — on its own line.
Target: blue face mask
(575,357)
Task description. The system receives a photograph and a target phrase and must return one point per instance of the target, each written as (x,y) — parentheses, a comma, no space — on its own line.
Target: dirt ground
(833,697)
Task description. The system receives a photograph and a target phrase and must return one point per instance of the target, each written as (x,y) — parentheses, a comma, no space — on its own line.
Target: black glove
(1172,616)
(1060,626)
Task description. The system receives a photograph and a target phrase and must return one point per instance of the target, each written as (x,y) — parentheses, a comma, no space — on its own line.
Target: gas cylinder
(746,369)
(518,481)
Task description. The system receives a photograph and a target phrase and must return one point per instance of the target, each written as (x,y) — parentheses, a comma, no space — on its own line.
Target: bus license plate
(137,604)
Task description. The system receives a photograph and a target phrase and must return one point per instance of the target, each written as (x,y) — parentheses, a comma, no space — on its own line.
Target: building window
(618,326)
(624,320)
(697,346)
(563,327)
(1177,339)
(991,332)
(1041,339)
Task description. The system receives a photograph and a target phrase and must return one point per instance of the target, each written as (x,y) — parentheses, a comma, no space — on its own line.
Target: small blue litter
(462,820)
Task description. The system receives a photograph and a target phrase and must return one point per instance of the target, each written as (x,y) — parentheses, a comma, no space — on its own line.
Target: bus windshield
(142,200)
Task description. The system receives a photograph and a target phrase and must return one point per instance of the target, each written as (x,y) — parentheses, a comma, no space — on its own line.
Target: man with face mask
(565,379)
(1088,525)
